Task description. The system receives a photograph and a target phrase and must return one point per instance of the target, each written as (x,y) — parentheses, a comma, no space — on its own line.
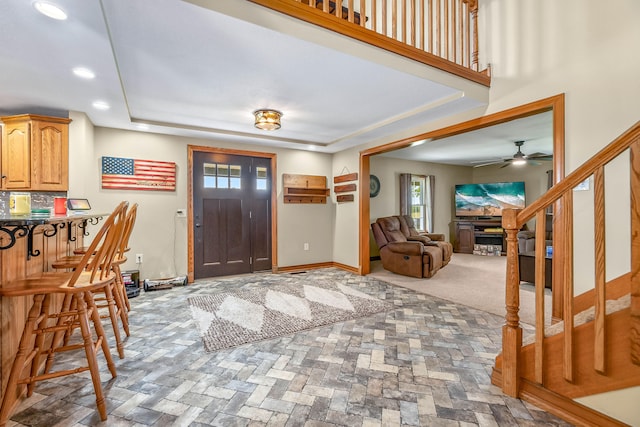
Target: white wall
(346,241)
(586,49)
(159,234)
(304,223)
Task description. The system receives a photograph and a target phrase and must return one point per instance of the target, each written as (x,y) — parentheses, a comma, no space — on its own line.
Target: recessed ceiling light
(51,10)
(101,105)
(83,72)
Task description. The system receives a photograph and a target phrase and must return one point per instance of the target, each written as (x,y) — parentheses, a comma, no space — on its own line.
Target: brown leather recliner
(409,258)
(411,233)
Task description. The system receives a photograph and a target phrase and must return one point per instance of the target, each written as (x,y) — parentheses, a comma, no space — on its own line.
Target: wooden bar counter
(28,247)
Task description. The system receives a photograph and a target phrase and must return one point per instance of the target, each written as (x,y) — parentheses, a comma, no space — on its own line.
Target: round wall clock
(374,186)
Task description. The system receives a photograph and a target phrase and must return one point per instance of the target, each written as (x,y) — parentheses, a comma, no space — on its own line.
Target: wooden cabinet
(35,153)
(465,239)
(483,232)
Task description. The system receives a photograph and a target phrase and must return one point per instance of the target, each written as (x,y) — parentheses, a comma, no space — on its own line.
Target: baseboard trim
(560,406)
(302,267)
(348,268)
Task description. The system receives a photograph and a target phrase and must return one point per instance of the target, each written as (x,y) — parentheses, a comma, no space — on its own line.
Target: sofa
(527,238)
(416,256)
(411,233)
(527,254)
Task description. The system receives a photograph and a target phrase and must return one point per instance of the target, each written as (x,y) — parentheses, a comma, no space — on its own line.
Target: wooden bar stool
(121,258)
(118,297)
(41,335)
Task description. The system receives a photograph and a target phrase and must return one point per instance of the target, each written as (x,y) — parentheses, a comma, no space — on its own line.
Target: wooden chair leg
(113,315)
(122,309)
(90,352)
(24,354)
(39,342)
(102,338)
(62,336)
(123,288)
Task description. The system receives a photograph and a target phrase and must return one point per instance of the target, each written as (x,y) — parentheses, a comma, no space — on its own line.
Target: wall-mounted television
(488,199)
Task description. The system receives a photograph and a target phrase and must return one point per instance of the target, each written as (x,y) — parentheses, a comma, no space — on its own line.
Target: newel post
(511,331)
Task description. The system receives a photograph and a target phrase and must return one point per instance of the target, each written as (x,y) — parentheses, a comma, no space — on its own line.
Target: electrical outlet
(306,246)
(138,258)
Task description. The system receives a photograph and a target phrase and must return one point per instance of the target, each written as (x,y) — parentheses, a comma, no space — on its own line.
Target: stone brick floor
(427,362)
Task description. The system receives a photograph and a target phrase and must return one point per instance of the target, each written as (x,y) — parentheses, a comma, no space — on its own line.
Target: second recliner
(418,257)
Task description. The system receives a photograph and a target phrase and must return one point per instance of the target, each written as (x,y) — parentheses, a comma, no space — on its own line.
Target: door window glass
(222,176)
(209,175)
(261,178)
(235,173)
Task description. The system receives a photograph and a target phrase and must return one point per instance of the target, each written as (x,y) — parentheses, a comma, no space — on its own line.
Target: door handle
(197,225)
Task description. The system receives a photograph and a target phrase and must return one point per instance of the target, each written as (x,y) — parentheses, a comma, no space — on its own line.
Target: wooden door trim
(191,149)
(554,103)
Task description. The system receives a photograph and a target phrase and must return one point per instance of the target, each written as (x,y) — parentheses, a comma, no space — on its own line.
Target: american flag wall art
(135,174)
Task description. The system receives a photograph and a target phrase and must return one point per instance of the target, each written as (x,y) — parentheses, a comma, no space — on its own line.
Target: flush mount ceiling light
(51,10)
(267,119)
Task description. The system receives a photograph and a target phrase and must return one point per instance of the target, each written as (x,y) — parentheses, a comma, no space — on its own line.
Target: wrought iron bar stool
(48,320)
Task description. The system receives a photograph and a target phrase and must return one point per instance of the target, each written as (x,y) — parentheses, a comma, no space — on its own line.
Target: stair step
(583,317)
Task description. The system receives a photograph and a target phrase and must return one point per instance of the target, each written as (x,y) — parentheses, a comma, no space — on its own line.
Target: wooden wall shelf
(345,178)
(305,188)
(344,188)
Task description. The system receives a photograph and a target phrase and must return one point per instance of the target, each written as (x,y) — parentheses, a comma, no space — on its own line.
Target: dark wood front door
(231,214)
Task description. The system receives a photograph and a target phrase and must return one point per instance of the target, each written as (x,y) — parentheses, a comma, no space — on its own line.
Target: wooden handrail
(603,157)
(561,197)
(635,253)
(450,27)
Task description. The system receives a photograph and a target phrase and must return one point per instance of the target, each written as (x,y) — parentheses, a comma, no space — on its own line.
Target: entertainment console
(471,232)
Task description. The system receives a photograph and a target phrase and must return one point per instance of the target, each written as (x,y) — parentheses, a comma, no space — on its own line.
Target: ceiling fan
(519,158)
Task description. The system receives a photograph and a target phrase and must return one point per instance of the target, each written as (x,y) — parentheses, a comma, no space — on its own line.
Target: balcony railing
(440,33)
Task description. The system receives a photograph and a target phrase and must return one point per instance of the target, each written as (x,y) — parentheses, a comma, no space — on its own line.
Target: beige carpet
(473,280)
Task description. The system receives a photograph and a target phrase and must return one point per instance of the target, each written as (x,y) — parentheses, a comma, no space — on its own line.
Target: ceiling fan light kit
(519,158)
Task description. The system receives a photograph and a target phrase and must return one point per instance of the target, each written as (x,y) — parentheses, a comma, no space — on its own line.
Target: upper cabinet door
(16,156)
(35,153)
(50,156)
